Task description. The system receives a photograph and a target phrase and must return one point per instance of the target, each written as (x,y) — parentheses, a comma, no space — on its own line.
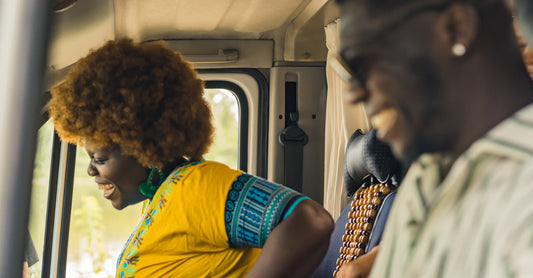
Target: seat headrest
(366,157)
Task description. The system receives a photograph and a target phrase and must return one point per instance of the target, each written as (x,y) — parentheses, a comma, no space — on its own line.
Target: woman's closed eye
(99,161)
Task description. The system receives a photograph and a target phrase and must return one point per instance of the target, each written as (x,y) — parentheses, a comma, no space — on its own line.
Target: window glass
(98,232)
(226,117)
(39,196)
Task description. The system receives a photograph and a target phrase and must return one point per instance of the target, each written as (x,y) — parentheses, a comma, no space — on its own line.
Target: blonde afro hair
(142,98)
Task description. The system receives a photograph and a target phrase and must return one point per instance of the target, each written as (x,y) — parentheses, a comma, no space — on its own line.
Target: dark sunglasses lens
(341,68)
(345,72)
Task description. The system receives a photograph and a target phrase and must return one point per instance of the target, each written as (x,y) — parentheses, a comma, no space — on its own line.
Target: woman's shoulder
(207,169)
(212,166)
(205,178)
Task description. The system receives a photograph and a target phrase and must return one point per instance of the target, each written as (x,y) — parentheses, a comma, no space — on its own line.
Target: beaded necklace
(365,206)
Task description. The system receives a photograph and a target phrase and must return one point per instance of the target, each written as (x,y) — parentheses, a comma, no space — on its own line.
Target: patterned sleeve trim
(293,205)
(254,207)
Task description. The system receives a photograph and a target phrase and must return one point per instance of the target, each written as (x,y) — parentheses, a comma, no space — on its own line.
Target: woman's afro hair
(142,98)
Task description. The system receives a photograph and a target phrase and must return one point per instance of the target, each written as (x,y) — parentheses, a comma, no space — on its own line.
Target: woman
(139,111)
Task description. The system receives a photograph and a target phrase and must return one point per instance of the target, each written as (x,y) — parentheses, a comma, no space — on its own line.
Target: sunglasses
(350,70)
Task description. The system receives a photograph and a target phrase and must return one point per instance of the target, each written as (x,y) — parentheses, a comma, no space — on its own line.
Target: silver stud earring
(458,49)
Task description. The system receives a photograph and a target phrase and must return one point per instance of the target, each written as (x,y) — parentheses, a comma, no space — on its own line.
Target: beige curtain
(342,119)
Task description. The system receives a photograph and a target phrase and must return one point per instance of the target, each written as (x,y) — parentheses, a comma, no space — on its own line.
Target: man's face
(399,81)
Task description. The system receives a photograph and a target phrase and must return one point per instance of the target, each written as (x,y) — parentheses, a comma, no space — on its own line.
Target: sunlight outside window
(39,194)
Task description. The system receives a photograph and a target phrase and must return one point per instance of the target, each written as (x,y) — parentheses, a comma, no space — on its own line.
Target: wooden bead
(357,245)
(346,250)
(364,209)
(370,213)
(362,239)
(376,201)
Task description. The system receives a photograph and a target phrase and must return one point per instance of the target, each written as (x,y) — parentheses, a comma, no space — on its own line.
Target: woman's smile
(108,189)
(117,175)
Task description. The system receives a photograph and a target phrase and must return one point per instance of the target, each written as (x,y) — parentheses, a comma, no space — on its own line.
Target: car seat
(371,177)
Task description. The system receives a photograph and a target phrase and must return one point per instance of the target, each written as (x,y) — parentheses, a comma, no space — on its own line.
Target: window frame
(255,88)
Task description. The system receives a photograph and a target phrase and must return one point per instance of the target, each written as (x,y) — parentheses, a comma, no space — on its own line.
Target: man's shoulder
(511,139)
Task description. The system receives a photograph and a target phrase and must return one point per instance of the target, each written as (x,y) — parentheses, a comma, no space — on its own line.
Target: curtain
(342,119)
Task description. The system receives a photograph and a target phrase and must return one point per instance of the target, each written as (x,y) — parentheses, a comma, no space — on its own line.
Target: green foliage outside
(89,217)
(225,110)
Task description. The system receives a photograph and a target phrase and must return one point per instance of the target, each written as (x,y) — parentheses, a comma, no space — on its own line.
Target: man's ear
(457,28)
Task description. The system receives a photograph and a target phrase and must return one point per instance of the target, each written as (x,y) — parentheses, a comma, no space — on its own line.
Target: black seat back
(367,161)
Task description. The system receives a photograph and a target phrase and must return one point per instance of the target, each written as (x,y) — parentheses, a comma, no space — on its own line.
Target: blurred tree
(89,218)
(225,109)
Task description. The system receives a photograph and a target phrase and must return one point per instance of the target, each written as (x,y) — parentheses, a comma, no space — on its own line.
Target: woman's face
(118,176)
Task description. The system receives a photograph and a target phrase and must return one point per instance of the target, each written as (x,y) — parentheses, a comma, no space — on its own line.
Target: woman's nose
(91,170)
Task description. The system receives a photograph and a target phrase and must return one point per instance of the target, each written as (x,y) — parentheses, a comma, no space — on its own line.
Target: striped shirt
(477,221)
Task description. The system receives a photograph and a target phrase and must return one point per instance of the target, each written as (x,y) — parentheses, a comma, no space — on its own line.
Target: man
(445,85)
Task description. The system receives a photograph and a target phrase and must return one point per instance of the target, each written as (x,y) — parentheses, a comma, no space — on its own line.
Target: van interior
(264,64)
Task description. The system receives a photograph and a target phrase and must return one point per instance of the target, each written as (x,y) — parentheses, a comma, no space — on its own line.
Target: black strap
(293,139)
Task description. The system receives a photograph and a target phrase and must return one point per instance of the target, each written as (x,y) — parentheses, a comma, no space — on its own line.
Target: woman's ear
(457,28)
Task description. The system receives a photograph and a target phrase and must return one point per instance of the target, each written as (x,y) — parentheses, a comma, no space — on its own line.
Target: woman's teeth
(107,188)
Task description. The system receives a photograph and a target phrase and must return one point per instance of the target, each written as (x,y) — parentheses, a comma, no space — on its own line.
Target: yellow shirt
(182,232)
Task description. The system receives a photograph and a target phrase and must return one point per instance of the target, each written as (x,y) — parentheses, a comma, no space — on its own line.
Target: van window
(39,195)
(97,230)
(226,116)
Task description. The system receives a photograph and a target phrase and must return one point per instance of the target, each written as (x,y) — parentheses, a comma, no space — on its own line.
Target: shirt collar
(512,139)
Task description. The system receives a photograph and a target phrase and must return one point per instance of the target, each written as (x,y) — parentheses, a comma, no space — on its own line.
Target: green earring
(148,188)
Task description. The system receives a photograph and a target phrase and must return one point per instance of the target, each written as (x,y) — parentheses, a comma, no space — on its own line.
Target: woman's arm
(297,245)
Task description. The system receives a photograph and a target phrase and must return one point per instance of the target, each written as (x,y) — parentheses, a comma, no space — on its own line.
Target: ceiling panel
(259,16)
(89,23)
(142,20)
(86,25)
